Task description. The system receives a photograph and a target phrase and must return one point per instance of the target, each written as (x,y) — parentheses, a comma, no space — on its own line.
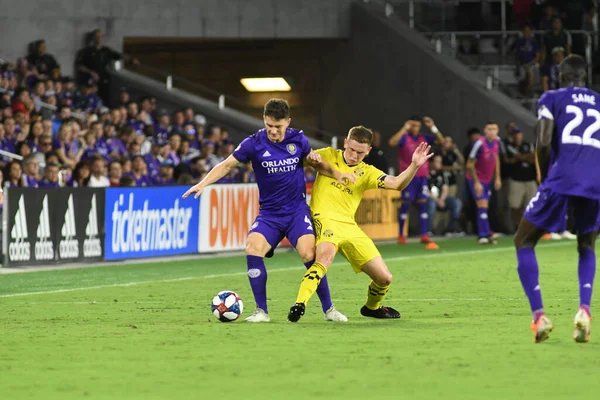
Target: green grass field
(145,331)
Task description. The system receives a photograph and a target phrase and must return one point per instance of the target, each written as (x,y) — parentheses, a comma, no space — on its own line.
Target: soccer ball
(227,306)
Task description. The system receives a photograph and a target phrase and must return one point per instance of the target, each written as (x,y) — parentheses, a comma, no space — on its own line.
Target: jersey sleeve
(430,139)
(475,150)
(402,140)
(327,154)
(244,152)
(375,177)
(545,107)
(305,144)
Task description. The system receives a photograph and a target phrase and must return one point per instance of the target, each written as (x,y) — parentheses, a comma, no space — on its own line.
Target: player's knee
(586,242)
(384,278)
(256,247)
(307,254)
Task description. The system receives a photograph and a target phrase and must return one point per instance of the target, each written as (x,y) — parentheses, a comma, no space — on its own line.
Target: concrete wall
(63,23)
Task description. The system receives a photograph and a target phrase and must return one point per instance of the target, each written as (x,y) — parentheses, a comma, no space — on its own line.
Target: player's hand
(197,189)
(441,203)
(428,122)
(498,184)
(314,157)
(478,189)
(422,154)
(346,178)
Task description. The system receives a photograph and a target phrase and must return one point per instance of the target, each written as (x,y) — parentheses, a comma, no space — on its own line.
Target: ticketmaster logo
(149,229)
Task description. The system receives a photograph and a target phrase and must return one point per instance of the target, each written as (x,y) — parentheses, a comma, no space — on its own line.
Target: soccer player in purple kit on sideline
(278,154)
(406,140)
(483,166)
(568,119)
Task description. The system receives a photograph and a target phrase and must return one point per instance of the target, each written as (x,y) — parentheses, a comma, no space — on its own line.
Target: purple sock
(587,270)
(483,224)
(322,290)
(402,216)
(423,217)
(257,274)
(529,275)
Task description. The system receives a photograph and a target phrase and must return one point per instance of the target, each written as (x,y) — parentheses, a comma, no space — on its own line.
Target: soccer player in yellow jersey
(333,206)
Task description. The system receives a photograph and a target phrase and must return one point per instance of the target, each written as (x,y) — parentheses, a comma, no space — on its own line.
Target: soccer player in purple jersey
(483,166)
(278,154)
(568,120)
(406,140)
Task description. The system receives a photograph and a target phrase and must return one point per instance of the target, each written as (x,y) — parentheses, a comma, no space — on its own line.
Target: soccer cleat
(556,236)
(296,312)
(541,329)
(381,312)
(483,240)
(334,315)
(582,326)
(546,236)
(568,235)
(425,239)
(258,316)
(402,240)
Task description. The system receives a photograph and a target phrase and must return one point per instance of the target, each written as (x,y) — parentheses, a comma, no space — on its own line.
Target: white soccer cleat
(258,316)
(568,235)
(582,326)
(541,329)
(334,315)
(556,236)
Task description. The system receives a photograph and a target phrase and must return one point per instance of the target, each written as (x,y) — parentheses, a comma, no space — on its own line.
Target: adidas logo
(19,248)
(69,246)
(44,250)
(91,245)
(266,154)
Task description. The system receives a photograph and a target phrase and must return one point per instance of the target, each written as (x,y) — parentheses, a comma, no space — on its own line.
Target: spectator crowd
(58,130)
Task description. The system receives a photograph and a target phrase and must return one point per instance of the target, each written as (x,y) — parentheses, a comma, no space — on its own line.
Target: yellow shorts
(349,240)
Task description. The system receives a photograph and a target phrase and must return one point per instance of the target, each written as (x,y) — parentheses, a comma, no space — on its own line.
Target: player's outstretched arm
(323,167)
(429,123)
(219,171)
(420,156)
(543,132)
(396,137)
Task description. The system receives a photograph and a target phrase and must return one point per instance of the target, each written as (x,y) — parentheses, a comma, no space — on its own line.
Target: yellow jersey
(333,200)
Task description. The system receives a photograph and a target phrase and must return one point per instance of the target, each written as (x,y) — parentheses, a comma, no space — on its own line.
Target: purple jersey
(29,181)
(153,165)
(278,168)
(407,146)
(576,143)
(143,180)
(485,153)
(45,183)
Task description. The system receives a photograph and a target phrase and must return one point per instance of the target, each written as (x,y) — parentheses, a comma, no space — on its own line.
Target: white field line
(241,273)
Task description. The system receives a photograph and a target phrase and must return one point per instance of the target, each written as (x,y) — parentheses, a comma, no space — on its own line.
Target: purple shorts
(487,190)
(547,210)
(275,227)
(417,189)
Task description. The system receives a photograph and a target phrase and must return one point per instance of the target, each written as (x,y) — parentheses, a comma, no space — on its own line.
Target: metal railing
(222,99)
(452,38)
(80,115)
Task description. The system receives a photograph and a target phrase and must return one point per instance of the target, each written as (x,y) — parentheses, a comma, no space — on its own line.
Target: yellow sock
(310,282)
(375,295)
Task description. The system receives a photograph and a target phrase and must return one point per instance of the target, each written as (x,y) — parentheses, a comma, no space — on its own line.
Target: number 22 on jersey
(586,140)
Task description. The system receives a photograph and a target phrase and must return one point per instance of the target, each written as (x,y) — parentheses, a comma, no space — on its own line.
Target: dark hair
(77,172)
(491,123)
(127,181)
(573,70)
(277,109)
(473,131)
(415,118)
(360,134)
